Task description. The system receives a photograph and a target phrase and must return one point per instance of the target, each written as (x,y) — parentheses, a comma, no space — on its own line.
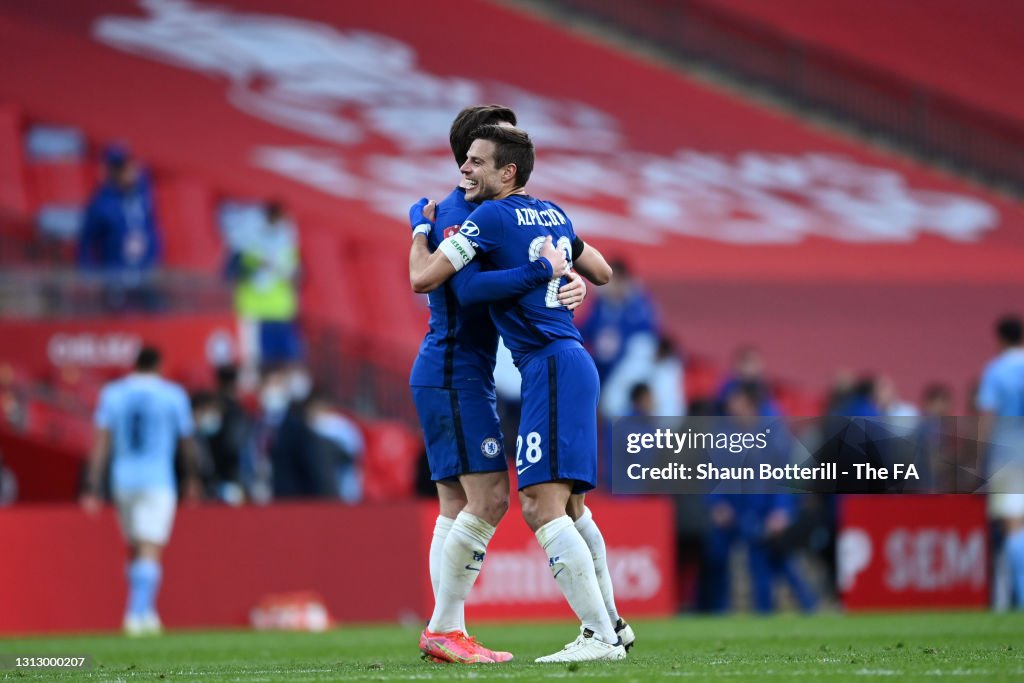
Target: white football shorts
(147,515)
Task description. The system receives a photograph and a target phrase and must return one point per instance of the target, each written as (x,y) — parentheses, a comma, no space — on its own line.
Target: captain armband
(459,250)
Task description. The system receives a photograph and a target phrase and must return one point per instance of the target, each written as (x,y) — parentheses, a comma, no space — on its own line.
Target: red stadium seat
(67,183)
(702,378)
(184,210)
(13,188)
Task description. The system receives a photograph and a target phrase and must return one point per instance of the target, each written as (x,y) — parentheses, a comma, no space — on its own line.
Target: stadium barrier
(913,552)
(63,570)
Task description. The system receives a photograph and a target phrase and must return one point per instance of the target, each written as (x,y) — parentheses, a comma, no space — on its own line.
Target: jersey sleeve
(472,285)
(448,216)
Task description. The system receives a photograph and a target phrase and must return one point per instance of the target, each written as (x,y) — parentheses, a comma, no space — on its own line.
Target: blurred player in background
(556,449)
(1000,405)
(140,421)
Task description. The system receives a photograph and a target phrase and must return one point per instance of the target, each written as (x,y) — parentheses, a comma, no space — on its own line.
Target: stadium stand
(965,51)
(902,69)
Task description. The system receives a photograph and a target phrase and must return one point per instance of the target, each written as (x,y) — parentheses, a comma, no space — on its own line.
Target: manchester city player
(556,449)
(140,421)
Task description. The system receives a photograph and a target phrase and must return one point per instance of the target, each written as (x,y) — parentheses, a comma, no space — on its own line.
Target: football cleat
(587,648)
(138,626)
(625,631)
(496,655)
(151,624)
(454,647)
(132,626)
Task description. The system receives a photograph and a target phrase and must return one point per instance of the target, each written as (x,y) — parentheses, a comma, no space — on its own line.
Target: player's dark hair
(227,377)
(936,391)
(469,119)
(203,399)
(148,359)
(638,391)
(511,146)
(752,392)
(273,210)
(1008,329)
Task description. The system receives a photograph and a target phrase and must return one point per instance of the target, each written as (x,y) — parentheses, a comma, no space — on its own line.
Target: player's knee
(537,512)
(496,509)
(490,506)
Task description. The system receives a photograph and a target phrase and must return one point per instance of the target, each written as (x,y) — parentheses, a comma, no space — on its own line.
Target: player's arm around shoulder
(428,271)
(592,265)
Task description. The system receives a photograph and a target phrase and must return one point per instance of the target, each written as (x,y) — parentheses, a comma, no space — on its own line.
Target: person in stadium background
(141,420)
(621,311)
(265,270)
(231,442)
(452,383)
(1000,403)
(744,511)
(558,427)
(120,236)
(934,437)
(8,484)
(748,368)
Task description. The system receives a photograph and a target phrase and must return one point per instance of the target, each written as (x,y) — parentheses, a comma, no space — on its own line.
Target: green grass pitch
(925,647)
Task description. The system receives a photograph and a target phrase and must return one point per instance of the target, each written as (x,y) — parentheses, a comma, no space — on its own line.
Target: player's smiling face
(480,177)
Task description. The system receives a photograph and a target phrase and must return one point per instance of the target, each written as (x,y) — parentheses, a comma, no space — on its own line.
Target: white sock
(461,558)
(441,528)
(595,541)
(573,569)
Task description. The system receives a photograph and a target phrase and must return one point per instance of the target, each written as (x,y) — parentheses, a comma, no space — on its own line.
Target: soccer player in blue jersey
(1000,403)
(140,421)
(556,449)
(453,387)
(452,384)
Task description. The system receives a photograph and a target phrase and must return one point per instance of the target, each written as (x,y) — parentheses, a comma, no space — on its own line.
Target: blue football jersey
(510,232)
(146,416)
(459,348)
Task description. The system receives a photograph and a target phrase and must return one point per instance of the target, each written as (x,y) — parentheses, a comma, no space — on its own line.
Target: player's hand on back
(556,257)
(572,294)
